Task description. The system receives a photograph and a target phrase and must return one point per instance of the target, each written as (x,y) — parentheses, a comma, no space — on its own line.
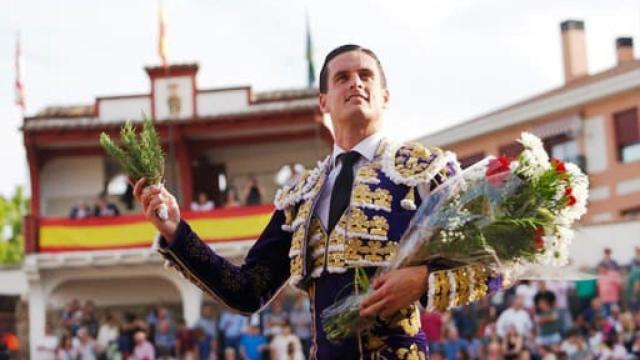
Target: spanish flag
(162,41)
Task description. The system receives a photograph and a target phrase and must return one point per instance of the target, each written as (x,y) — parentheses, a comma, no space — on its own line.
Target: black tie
(342,187)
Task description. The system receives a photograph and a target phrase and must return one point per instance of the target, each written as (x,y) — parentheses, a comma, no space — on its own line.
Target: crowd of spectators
(593,318)
(597,318)
(281,332)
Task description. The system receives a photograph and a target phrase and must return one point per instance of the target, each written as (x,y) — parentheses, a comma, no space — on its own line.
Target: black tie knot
(342,187)
(349,158)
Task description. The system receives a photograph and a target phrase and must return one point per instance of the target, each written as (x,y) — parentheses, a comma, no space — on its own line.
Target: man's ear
(386,98)
(322,100)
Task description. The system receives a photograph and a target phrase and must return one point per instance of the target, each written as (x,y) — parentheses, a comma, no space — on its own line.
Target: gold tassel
(409,201)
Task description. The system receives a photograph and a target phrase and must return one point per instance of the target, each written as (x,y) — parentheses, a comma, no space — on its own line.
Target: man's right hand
(151,198)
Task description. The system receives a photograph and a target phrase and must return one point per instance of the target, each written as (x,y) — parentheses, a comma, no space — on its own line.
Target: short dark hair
(324,73)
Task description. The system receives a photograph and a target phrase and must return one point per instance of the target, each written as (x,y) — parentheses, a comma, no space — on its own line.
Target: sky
(445,61)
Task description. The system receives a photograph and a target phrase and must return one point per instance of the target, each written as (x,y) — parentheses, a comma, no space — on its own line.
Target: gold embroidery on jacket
(411,353)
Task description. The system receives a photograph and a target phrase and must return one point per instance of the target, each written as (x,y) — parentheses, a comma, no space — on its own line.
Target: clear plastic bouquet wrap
(503,216)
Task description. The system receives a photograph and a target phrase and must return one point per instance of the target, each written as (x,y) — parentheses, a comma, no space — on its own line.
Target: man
(608,261)
(515,316)
(350,211)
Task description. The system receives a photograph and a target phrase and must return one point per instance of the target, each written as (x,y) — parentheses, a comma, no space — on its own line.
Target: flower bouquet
(499,215)
(140,156)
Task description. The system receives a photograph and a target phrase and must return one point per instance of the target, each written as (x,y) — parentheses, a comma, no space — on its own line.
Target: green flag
(311,71)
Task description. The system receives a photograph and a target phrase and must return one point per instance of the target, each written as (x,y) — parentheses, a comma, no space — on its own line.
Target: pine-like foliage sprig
(140,155)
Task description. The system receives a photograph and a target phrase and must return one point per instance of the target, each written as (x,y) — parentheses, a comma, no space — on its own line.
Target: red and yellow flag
(133,231)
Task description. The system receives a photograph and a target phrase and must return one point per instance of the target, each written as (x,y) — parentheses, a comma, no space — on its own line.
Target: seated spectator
(432,327)
(274,318)
(203,203)
(65,349)
(205,343)
(253,192)
(164,339)
(607,261)
(635,262)
(89,318)
(108,332)
(252,344)
(592,312)
(512,344)
(633,286)
(286,345)
(85,346)
(105,208)
(231,326)
(613,349)
(548,323)
(300,319)
(143,349)
(609,287)
(494,351)
(230,353)
(453,344)
(72,316)
(232,200)
(527,290)
(514,316)
(207,321)
(80,211)
(575,346)
(185,342)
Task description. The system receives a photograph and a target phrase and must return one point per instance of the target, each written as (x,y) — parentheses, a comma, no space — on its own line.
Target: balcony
(53,235)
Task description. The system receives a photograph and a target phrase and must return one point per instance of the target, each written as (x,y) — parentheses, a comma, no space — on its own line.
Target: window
(627,132)
(565,151)
(631,213)
(565,148)
(469,160)
(511,150)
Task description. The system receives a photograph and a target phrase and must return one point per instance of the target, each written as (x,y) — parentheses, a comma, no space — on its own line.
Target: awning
(566,126)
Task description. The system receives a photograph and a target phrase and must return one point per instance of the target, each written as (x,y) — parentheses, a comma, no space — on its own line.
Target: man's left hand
(395,290)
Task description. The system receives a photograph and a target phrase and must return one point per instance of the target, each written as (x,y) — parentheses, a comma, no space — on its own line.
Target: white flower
(579,184)
(564,234)
(533,159)
(530,141)
(556,253)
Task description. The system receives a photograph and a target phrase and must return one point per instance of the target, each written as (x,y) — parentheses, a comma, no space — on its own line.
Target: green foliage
(12,212)
(140,156)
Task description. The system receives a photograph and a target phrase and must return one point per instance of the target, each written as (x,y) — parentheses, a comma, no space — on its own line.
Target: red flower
(559,166)
(538,241)
(568,191)
(571,200)
(498,170)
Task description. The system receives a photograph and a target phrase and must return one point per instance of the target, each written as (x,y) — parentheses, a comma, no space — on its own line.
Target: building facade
(591,120)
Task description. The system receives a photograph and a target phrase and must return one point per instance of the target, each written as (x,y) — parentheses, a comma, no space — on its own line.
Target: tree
(12,212)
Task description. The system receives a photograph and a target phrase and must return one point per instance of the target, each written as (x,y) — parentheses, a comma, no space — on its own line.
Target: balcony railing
(47,235)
